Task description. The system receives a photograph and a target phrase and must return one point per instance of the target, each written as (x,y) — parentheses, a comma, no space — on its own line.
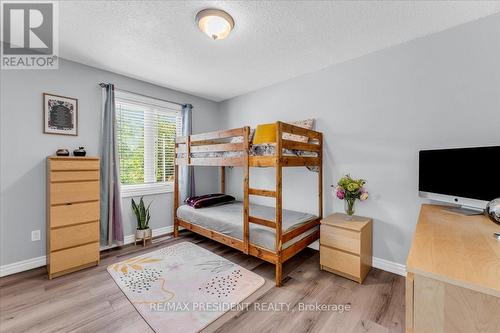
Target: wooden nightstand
(346,246)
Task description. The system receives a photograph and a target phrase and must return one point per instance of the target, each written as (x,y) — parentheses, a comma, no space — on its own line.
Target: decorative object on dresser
(346,246)
(80,152)
(60,115)
(453,279)
(72,214)
(493,210)
(143,232)
(62,152)
(349,189)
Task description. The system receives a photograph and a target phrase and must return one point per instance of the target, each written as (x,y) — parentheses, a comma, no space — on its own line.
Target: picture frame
(60,115)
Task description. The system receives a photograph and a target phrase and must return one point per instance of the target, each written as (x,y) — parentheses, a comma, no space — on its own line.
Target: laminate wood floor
(90,301)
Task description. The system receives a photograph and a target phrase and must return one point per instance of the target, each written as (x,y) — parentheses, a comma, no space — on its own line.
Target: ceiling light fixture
(216,23)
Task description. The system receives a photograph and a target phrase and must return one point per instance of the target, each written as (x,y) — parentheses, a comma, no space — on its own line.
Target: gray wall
(23,147)
(376,112)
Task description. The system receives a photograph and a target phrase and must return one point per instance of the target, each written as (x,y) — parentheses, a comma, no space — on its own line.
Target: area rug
(183,287)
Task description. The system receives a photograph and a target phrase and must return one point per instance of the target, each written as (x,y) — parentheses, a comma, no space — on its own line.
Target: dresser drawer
(74,257)
(65,176)
(340,261)
(74,164)
(65,237)
(343,239)
(61,193)
(66,215)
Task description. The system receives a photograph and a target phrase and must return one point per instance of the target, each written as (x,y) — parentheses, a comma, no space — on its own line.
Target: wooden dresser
(346,246)
(72,214)
(453,279)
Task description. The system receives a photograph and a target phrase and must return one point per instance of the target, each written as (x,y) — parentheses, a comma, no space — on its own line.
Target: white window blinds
(146,131)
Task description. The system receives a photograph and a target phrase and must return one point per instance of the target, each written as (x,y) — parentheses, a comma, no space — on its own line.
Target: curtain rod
(131,92)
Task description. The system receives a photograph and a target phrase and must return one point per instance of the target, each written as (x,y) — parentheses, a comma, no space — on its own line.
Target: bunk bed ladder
(277,194)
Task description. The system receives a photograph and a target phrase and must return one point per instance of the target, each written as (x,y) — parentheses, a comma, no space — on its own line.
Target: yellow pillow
(265,133)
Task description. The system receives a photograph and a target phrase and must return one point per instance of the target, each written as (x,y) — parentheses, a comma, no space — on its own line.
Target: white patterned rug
(183,287)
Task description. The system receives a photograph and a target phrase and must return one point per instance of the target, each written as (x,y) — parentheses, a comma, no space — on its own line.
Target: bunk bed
(272,234)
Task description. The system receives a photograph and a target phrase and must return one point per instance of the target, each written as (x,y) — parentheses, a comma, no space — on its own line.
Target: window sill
(146,189)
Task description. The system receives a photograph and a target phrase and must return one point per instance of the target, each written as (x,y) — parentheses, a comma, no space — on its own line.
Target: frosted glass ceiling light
(216,23)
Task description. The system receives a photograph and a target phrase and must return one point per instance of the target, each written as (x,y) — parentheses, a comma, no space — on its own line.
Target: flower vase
(349,207)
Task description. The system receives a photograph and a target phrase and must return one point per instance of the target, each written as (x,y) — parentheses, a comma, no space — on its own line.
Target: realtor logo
(29,35)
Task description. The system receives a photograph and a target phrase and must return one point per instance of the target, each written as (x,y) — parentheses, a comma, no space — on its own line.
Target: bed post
(246,183)
(279,212)
(278,272)
(222,179)
(320,177)
(176,198)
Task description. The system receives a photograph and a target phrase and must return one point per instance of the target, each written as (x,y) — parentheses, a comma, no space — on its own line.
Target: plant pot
(142,234)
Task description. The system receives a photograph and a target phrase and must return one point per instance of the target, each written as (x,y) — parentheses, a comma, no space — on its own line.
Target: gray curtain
(111,203)
(186,175)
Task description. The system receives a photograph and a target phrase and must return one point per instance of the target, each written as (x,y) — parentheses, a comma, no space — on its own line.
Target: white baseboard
(389,266)
(24,265)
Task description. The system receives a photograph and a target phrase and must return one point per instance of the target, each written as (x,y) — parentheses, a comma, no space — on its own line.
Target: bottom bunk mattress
(228,220)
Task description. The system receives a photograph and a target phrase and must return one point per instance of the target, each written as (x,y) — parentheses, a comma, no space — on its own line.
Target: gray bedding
(228,220)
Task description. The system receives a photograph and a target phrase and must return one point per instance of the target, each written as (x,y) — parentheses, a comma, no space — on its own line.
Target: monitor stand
(464,210)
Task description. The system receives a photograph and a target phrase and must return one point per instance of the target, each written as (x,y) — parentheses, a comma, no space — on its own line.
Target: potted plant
(143,216)
(349,189)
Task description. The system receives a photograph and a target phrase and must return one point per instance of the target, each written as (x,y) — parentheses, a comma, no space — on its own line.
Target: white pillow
(307,124)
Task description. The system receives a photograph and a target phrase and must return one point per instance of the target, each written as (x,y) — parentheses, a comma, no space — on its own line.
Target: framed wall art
(60,115)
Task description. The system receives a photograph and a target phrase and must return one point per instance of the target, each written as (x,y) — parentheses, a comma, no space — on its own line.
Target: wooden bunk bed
(193,151)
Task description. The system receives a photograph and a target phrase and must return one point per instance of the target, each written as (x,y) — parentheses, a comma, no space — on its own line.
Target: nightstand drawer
(340,261)
(340,238)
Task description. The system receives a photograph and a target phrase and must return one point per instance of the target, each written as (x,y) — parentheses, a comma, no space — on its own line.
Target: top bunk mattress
(266,149)
(228,220)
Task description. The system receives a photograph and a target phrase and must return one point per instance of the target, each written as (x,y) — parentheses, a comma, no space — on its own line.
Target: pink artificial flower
(363,196)
(340,194)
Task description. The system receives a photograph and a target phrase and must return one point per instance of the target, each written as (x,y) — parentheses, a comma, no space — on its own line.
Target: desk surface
(456,249)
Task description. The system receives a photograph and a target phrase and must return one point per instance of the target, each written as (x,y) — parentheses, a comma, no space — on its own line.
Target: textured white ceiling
(158,41)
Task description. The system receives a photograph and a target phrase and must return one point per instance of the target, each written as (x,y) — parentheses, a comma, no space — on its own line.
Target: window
(146,131)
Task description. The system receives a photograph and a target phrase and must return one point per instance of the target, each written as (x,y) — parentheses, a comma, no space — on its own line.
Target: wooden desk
(453,280)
